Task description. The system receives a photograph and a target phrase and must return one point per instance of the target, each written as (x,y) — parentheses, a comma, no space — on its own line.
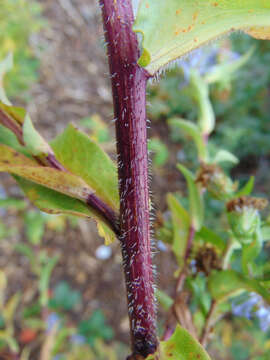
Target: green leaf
(200,92)
(53,202)
(195,199)
(187,25)
(181,224)
(200,296)
(265,229)
(165,300)
(35,225)
(5,66)
(13,203)
(227,283)
(250,253)
(224,156)
(193,131)
(246,189)
(160,151)
(181,346)
(64,297)
(44,280)
(99,129)
(86,159)
(8,138)
(29,253)
(9,341)
(34,142)
(61,181)
(209,236)
(95,327)
(222,72)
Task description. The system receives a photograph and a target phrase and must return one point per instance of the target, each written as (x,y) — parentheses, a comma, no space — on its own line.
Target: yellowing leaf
(262,33)
(63,182)
(105,232)
(173,28)
(181,346)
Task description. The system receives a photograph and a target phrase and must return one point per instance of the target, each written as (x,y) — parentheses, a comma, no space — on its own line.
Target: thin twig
(183,274)
(210,320)
(208,324)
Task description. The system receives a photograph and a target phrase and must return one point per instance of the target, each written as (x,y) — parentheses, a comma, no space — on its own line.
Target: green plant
(64,297)
(18,20)
(94,328)
(73,175)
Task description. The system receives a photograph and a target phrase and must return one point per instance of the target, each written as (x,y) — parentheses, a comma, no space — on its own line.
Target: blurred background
(62,291)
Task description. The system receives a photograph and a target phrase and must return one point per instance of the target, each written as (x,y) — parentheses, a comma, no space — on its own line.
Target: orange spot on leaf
(178,11)
(215,4)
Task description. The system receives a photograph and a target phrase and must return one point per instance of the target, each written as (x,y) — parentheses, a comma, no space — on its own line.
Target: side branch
(109,216)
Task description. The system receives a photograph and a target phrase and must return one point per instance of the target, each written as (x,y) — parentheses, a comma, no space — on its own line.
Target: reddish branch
(128,89)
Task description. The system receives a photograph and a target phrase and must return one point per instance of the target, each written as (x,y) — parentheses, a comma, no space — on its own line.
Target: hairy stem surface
(128,89)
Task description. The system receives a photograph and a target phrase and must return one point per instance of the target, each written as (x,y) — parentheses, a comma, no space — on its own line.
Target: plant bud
(244,217)
(219,185)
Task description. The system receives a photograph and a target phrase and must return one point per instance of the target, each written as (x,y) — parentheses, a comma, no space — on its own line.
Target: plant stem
(210,321)
(7,122)
(129,100)
(208,324)
(183,273)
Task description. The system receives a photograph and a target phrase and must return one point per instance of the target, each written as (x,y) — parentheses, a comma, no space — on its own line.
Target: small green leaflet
(83,157)
(181,346)
(227,283)
(165,300)
(195,199)
(181,224)
(246,189)
(5,66)
(34,142)
(209,236)
(193,131)
(173,28)
(200,92)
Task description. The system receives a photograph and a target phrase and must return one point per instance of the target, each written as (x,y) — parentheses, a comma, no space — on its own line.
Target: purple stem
(7,122)
(129,100)
(105,211)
